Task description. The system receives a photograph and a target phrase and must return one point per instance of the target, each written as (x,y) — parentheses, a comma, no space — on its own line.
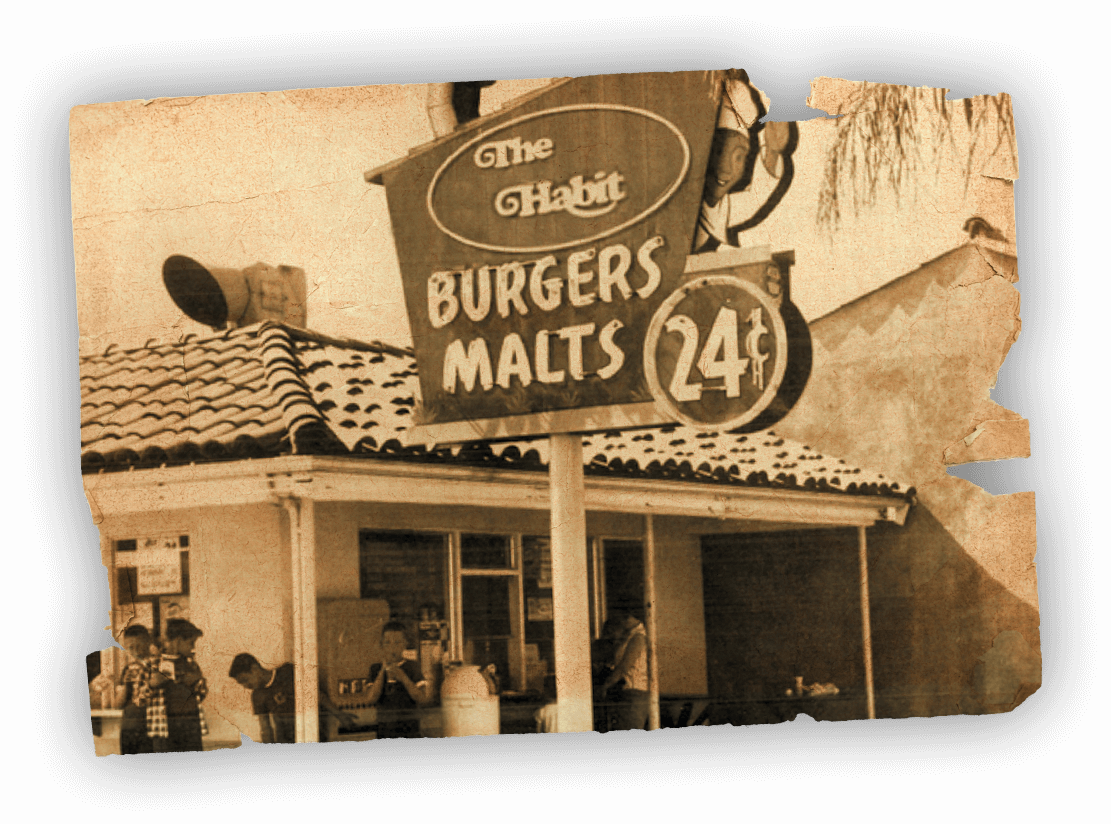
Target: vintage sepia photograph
(603,403)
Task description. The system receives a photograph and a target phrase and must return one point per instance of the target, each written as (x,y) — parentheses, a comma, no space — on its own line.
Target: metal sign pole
(570,598)
(653,635)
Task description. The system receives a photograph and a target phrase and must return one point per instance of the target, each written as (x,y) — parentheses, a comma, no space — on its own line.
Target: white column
(650,618)
(570,598)
(293,513)
(308,698)
(866,620)
(113,661)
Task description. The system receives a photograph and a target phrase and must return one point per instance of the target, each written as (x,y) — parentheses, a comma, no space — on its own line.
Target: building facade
(272,464)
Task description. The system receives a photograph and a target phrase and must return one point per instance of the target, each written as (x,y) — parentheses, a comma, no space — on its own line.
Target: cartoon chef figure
(749,170)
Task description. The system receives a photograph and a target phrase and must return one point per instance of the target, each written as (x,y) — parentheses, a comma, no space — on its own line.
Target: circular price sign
(716,352)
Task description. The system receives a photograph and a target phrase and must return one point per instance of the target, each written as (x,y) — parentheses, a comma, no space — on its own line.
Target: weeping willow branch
(891,135)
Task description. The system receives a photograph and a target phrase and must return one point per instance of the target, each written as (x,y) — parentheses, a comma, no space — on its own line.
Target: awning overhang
(329,479)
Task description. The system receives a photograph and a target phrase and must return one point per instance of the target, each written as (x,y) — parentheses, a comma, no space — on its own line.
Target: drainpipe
(293,511)
(118,624)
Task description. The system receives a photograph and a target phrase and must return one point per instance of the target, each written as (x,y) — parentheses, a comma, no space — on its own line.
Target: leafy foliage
(889,135)
(892,134)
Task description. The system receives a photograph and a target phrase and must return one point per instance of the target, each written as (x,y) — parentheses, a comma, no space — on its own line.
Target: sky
(278,177)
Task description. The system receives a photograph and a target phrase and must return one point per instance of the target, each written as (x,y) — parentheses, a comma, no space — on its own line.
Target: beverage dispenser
(350,635)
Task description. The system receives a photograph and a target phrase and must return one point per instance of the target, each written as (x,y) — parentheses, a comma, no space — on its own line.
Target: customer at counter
(630,668)
(602,649)
(397,687)
(273,699)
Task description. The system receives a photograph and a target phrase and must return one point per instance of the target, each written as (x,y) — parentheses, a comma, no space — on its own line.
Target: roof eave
(329,479)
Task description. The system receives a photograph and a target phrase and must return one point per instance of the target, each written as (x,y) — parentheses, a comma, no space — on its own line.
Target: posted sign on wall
(536,247)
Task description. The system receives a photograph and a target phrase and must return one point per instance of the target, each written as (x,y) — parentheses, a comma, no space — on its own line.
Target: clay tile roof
(269,390)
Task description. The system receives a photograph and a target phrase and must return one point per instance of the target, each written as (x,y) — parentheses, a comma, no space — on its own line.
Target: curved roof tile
(270,390)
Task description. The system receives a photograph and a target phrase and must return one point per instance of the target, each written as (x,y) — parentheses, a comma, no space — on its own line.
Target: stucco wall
(901,380)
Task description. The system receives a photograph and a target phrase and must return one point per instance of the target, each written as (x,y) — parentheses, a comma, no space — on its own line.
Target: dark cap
(180,628)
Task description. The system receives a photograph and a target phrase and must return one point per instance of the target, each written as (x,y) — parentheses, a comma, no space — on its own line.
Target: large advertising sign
(537,246)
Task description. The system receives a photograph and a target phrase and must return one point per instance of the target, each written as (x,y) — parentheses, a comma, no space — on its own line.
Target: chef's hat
(738,108)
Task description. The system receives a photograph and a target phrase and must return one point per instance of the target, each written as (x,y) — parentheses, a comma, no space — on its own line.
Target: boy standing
(397,688)
(175,721)
(133,685)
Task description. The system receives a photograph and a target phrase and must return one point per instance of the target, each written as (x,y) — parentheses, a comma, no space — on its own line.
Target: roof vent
(225,298)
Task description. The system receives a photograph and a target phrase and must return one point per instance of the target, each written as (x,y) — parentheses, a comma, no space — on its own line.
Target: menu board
(156,579)
(405,569)
(540,609)
(538,559)
(539,613)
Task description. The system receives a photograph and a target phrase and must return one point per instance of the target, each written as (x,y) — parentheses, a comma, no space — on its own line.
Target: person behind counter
(175,720)
(607,700)
(273,699)
(397,687)
(631,667)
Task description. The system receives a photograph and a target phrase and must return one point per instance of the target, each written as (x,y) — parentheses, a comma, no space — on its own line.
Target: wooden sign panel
(536,246)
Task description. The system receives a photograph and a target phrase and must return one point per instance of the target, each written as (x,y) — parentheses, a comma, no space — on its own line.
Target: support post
(650,618)
(570,598)
(115,616)
(866,620)
(293,513)
(308,701)
(302,546)
(112,660)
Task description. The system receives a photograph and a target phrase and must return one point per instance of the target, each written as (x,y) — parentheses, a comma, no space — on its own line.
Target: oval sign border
(664,402)
(660,201)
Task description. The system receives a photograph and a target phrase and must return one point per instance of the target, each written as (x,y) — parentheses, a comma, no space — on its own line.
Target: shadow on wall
(901,376)
(947,638)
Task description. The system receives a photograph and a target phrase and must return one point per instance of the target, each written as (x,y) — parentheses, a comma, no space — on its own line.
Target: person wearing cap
(749,169)
(175,720)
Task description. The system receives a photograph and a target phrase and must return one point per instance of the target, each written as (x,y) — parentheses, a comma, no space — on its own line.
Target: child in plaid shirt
(134,683)
(175,720)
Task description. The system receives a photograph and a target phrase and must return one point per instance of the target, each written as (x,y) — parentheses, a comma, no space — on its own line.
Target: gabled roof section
(968,263)
(270,390)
